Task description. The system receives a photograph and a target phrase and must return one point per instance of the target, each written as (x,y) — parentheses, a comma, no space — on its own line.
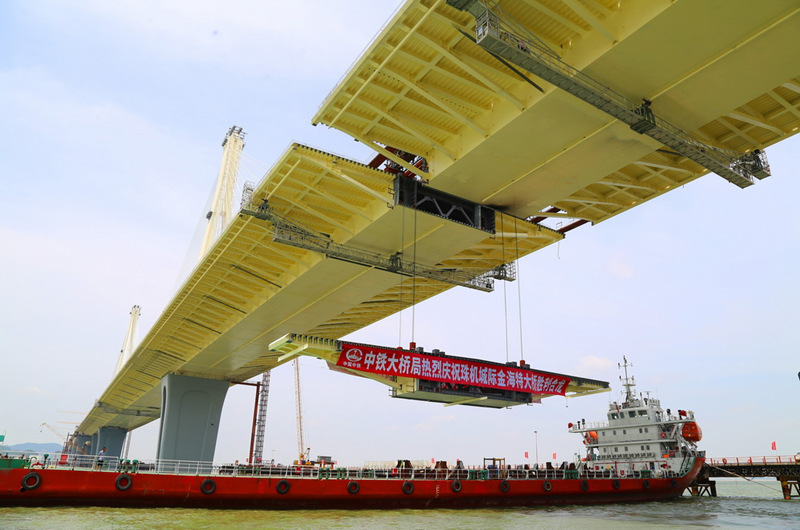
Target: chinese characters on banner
(405,363)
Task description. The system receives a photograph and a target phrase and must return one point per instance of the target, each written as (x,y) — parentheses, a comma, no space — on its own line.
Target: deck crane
(503,37)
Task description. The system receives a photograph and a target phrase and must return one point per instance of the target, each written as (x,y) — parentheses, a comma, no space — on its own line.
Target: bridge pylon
(223,205)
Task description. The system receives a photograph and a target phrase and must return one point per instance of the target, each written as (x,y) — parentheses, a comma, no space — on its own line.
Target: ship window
(648,447)
(642,448)
(632,414)
(614,416)
(604,433)
(640,430)
(645,429)
(624,431)
(605,449)
(615,433)
(642,413)
(626,448)
(616,449)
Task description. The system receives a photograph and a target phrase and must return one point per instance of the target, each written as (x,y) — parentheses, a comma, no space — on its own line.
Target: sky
(111,119)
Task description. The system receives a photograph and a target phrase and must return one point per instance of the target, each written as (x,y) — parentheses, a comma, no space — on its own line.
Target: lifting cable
(505,296)
(414,271)
(519,290)
(402,280)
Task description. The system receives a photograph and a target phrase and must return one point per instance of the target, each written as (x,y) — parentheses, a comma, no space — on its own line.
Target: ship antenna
(628,382)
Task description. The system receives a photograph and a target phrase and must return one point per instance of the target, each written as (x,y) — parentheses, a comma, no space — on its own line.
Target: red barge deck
(325,488)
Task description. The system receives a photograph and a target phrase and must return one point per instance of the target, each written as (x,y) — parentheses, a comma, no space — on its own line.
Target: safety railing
(279,471)
(754,460)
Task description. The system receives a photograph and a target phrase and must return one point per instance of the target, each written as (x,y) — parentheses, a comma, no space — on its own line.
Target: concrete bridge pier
(190,411)
(112,438)
(81,442)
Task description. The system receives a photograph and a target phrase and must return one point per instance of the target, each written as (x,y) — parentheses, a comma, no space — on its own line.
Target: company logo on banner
(448,370)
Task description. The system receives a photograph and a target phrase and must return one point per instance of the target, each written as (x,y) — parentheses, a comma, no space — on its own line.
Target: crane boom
(68,443)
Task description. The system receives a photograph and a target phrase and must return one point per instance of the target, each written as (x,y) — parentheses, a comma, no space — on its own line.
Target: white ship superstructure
(640,437)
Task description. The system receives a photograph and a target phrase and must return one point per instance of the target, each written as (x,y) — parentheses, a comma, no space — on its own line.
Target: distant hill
(33,447)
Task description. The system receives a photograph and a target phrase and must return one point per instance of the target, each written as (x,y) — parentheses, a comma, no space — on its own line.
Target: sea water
(740,503)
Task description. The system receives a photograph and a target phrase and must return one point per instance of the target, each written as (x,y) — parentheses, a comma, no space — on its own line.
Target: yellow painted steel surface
(293,345)
(726,71)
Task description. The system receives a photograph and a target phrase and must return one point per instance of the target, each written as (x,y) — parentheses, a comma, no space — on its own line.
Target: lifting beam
(503,37)
(288,232)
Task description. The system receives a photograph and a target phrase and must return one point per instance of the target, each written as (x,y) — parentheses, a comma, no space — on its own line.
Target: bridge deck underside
(727,71)
(249,290)
(724,71)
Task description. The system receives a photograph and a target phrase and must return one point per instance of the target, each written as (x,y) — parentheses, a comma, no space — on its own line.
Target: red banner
(404,363)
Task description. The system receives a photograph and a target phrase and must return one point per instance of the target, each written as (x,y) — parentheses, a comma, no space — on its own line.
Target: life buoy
(31,481)
(408,487)
(505,486)
(621,472)
(663,435)
(456,486)
(352,487)
(646,484)
(123,482)
(282,487)
(584,485)
(615,484)
(546,486)
(208,486)
(724,460)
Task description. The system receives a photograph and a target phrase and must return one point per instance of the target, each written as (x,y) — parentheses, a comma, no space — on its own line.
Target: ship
(641,453)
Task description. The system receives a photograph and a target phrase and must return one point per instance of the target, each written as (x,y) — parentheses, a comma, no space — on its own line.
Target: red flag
(774,446)
(526,454)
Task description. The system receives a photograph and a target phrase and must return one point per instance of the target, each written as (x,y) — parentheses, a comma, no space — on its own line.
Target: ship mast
(628,382)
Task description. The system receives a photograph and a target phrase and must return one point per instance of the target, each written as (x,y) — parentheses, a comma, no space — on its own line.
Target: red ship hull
(64,487)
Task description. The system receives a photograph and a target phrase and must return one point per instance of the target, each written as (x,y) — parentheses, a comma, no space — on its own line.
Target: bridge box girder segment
(514,147)
(517,45)
(412,194)
(250,290)
(436,377)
